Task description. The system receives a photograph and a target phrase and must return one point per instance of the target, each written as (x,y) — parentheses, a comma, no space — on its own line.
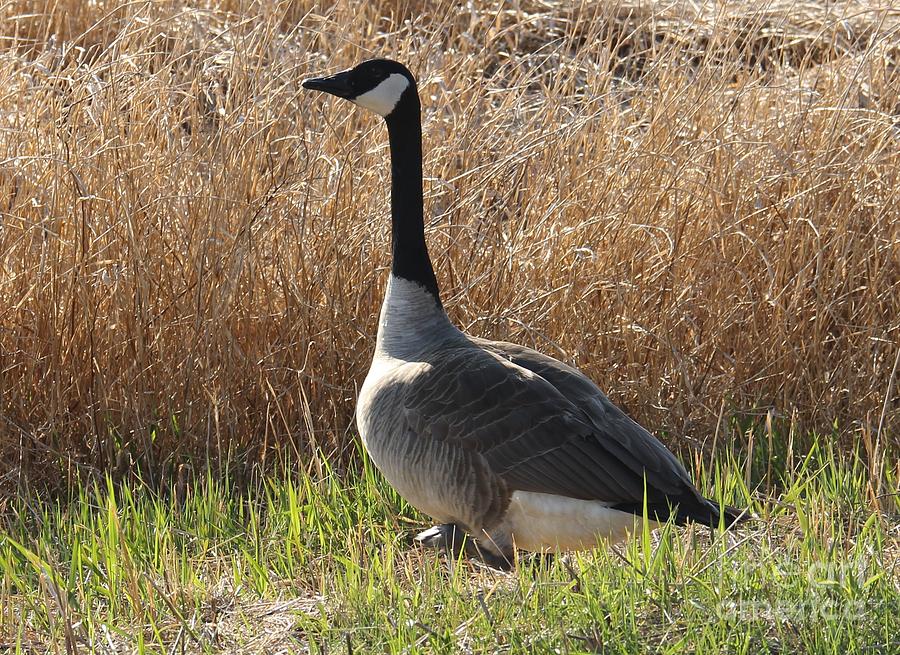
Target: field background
(696,203)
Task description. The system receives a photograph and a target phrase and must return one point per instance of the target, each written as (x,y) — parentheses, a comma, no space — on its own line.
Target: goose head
(388,89)
(379,85)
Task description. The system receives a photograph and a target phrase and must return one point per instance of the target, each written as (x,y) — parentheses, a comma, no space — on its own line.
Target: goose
(505,447)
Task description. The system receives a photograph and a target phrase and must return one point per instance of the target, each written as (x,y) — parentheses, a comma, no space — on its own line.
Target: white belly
(544,522)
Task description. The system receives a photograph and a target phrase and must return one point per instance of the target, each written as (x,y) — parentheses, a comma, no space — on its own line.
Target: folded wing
(544,427)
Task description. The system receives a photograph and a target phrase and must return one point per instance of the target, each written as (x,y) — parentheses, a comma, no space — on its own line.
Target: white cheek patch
(384,97)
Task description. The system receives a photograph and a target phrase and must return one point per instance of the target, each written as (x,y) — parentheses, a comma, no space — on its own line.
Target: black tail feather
(690,510)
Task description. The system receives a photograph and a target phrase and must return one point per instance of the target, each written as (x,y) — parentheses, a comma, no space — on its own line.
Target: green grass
(323,563)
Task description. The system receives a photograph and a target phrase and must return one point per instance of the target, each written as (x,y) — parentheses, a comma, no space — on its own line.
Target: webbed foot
(454,539)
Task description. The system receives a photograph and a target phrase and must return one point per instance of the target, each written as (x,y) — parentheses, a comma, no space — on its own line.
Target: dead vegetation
(696,204)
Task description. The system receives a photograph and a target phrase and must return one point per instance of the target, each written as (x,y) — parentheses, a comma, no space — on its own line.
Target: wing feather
(539,428)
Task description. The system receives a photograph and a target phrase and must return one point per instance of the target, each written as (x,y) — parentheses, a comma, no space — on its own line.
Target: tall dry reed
(697,205)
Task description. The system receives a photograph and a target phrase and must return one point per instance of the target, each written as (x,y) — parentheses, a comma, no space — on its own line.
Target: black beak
(337,84)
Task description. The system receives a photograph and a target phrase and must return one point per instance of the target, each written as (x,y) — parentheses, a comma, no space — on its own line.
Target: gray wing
(621,433)
(535,437)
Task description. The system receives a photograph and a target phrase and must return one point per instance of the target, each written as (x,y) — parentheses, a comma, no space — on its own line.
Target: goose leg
(543,560)
(447,535)
(454,539)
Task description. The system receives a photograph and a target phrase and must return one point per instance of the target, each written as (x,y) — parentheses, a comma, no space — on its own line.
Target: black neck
(410,253)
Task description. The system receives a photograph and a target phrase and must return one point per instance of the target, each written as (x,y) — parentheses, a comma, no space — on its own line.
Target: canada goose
(508,445)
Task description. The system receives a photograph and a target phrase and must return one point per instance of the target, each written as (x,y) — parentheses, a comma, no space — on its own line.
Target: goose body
(511,446)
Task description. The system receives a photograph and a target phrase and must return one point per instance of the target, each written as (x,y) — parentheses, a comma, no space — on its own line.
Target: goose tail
(712,514)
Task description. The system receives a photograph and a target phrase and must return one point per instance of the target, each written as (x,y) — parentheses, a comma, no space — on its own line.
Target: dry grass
(697,205)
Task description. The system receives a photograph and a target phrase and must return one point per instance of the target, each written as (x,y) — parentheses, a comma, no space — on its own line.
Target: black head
(377,84)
